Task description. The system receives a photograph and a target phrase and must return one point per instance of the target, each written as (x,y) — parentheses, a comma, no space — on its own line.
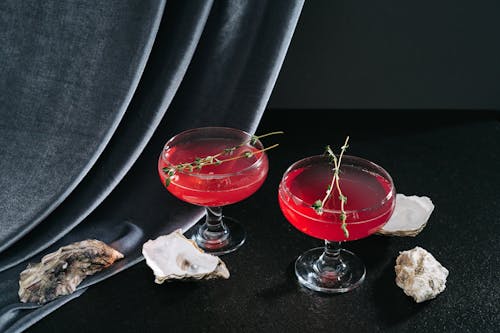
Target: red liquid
(214,185)
(368,204)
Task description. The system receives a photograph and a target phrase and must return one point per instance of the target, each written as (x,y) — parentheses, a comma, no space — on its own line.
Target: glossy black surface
(452,157)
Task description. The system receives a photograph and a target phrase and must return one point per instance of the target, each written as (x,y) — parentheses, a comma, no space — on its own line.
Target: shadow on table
(392,305)
(390,302)
(286,286)
(372,250)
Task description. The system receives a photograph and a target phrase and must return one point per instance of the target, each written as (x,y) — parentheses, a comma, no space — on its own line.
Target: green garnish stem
(200,162)
(319,204)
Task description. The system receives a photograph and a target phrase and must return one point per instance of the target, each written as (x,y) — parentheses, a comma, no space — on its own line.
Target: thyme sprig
(200,162)
(319,204)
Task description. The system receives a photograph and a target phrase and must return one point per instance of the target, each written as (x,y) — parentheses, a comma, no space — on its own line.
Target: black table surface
(453,157)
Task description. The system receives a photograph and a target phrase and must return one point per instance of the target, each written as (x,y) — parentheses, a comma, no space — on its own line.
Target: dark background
(393,54)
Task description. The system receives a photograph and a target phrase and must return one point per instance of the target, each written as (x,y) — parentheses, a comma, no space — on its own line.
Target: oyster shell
(410,216)
(419,274)
(60,272)
(174,257)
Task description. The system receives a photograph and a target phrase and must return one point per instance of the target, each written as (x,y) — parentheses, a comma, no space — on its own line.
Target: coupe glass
(370,202)
(238,170)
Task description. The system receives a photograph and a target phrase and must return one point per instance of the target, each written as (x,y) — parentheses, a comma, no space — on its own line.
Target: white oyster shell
(174,257)
(419,274)
(410,216)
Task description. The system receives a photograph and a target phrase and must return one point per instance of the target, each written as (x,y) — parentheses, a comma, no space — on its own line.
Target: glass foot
(218,243)
(348,273)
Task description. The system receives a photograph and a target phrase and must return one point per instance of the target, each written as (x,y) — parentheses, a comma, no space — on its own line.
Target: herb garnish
(200,162)
(319,204)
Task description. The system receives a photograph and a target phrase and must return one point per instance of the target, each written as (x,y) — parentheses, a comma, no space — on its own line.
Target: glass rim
(384,172)
(255,164)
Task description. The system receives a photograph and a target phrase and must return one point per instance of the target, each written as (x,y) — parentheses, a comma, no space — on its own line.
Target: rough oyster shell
(60,272)
(410,216)
(174,257)
(419,274)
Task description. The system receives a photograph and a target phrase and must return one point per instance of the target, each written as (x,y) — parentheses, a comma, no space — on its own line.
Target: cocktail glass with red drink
(214,167)
(370,199)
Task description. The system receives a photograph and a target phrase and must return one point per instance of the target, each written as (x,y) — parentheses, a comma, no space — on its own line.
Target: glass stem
(330,264)
(213,233)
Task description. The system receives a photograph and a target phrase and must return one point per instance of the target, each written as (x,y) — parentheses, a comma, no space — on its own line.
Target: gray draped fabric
(68,72)
(85,86)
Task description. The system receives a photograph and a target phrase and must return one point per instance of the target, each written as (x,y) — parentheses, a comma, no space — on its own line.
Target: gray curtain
(88,88)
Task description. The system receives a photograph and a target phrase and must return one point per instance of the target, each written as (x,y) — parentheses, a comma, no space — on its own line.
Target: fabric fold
(68,75)
(206,84)
(236,64)
(178,36)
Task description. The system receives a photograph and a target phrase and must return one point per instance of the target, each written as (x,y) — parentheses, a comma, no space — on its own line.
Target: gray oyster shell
(60,272)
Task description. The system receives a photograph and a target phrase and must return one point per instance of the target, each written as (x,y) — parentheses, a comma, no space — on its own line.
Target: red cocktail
(214,185)
(366,207)
(370,202)
(214,167)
